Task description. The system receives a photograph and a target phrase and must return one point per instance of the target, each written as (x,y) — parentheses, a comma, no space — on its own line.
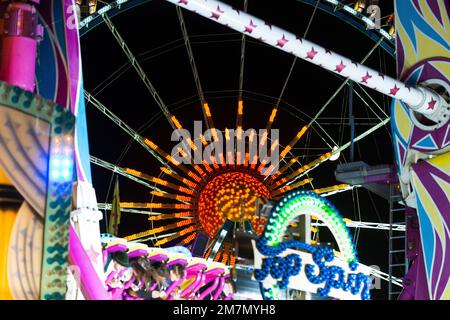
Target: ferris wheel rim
(353,19)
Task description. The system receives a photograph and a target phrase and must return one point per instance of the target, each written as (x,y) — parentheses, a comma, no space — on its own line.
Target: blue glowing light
(66,163)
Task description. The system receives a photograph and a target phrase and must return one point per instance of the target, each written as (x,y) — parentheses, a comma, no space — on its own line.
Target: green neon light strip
(306,202)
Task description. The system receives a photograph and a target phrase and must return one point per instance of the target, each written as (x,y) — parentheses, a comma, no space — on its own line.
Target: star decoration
(216,14)
(340,67)
(269,25)
(311,54)
(328,51)
(394,90)
(282,41)
(249,28)
(237,10)
(381,75)
(431,104)
(366,77)
(355,63)
(299,38)
(183,2)
(408,87)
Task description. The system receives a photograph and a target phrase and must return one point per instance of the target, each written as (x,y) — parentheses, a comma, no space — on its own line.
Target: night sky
(153,34)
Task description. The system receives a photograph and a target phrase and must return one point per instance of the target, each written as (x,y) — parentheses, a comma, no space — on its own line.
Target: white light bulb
(335,155)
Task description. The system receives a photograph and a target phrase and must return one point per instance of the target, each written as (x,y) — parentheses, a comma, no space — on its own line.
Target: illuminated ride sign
(278,266)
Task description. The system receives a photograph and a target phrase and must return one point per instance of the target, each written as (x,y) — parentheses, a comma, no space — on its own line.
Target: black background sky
(153,34)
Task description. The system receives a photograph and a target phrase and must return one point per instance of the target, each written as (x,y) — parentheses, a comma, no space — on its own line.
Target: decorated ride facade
(51,246)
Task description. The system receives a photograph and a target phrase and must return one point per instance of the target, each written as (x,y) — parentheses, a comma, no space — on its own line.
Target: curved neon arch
(306,202)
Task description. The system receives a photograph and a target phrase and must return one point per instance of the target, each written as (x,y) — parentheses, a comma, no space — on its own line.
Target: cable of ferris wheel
(153,237)
(142,57)
(370,97)
(322,109)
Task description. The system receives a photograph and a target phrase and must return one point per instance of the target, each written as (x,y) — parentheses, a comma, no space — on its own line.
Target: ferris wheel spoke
(322,109)
(195,73)
(154,237)
(156,205)
(137,66)
(291,69)
(302,131)
(242,62)
(188,237)
(182,198)
(152,214)
(279,192)
(153,231)
(367,225)
(188,233)
(204,105)
(371,99)
(303,170)
(102,108)
(121,171)
(142,178)
(140,71)
(177,215)
(240,109)
(327,191)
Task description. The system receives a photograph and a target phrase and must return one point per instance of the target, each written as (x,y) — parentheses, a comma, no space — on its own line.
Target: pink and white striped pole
(420,99)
